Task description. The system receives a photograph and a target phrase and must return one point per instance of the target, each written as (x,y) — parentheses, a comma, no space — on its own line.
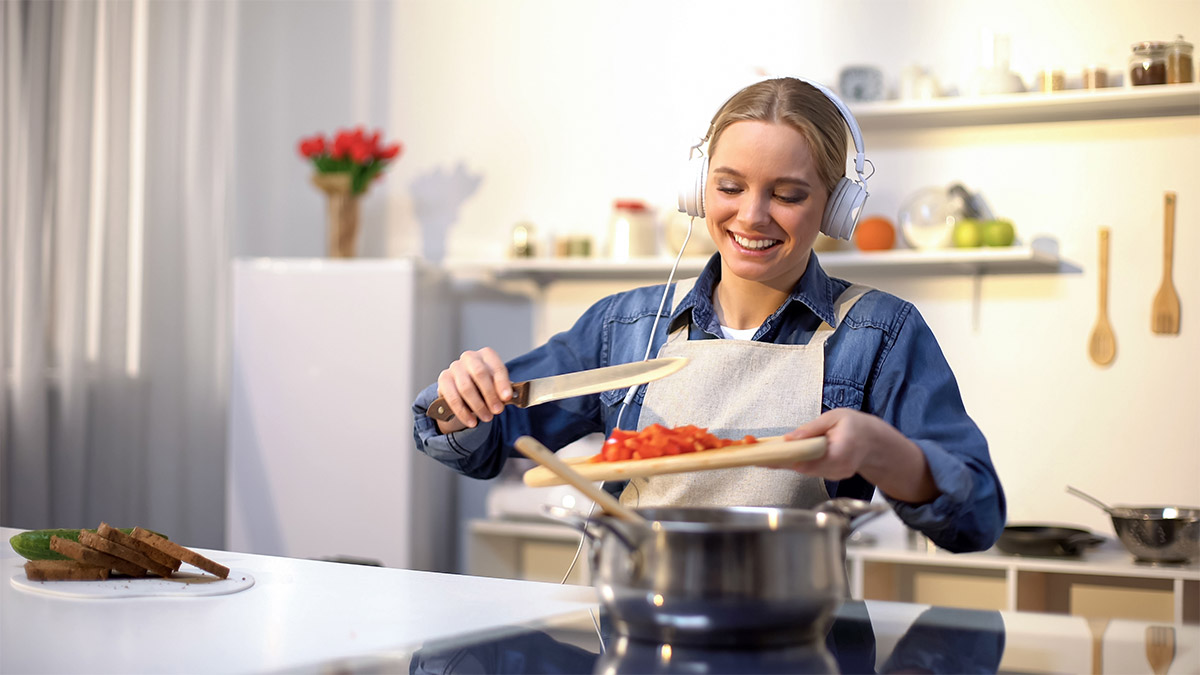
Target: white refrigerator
(328,356)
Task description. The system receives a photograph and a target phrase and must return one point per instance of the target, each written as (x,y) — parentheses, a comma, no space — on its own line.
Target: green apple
(998,233)
(967,233)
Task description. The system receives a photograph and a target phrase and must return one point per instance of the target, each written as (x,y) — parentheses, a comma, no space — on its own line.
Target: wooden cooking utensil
(1160,648)
(1164,317)
(1097,626)
(1102,346)
(531,448)
(764,453)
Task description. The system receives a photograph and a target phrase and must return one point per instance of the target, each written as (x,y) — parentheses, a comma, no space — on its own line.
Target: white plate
(181,584)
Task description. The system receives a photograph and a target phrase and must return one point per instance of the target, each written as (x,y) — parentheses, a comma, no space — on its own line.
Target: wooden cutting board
(763,453)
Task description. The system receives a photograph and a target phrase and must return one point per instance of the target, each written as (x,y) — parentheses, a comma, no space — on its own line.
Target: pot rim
(788,520)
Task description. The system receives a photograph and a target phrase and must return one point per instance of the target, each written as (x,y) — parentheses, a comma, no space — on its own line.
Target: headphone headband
(844,204)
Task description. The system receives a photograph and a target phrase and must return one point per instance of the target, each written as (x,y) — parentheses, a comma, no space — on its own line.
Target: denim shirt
(883,360)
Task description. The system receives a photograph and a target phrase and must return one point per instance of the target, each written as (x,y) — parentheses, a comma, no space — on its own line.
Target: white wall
(557,108)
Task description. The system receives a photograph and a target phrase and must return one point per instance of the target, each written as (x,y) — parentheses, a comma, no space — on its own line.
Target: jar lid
(1148,46)
(630,205)
(1181,44)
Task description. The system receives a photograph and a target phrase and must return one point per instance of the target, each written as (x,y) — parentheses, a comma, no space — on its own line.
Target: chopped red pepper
(659,441)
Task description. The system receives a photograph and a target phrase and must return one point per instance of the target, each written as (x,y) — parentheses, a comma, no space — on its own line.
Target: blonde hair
(801,106)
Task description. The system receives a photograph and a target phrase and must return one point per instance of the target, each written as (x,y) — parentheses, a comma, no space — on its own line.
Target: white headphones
(845,202)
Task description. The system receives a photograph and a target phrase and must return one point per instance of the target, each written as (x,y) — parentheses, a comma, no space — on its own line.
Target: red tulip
(389,152)
(360,152)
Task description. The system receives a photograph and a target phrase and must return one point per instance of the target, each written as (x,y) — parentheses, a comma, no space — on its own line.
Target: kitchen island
(298,613)
(325,617)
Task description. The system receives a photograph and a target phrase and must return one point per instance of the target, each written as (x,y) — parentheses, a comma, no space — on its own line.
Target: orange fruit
(875,233)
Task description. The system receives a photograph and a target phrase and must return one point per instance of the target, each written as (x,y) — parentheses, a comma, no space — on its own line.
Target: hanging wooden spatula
(1164,316)
(1102,346)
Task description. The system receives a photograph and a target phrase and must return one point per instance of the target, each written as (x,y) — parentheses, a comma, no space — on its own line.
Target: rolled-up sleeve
(917,393)
(481,452)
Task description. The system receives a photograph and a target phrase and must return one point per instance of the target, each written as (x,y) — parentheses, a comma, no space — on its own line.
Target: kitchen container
(1179,61)
(632,230)
(1154,534)
(1148,63)
(1159,534)
(1095,77)
(723,576)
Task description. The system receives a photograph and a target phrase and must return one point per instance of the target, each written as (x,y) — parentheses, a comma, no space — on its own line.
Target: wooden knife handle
(440,410)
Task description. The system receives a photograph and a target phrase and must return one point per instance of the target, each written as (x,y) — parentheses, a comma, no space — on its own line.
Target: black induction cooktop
(939,640)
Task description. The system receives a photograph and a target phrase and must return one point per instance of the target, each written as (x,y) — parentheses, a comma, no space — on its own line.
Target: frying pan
(1052,541)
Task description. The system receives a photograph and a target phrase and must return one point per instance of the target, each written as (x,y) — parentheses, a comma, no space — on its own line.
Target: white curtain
(115,191)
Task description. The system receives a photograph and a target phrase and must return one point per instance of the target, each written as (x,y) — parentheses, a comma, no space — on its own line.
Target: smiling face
(764,201)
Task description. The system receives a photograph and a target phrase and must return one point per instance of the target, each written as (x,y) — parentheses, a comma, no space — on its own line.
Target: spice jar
(523,244)
(631,230)
(1148,63)
(1179,61)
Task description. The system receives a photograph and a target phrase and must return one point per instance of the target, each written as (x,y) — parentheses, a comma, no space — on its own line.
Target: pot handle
(856,511)
(1081,541)
(583,523)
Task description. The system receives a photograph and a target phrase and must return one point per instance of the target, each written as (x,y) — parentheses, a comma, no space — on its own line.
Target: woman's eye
(790,198)
(729,189)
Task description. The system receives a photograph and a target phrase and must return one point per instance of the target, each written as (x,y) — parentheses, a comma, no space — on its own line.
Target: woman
(776,347)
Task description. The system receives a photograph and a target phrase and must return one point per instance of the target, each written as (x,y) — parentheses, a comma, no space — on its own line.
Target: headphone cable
(633,389)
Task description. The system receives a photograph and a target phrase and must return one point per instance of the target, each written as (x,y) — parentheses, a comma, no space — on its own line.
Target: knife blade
(593,381)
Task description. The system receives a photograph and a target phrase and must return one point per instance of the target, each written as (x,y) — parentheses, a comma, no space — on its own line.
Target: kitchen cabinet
(1103,582)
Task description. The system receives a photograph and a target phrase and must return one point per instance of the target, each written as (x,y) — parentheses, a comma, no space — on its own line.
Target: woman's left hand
(863,444)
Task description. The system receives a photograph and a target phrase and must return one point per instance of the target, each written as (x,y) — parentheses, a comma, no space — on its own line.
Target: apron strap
(682,288)
(841,308)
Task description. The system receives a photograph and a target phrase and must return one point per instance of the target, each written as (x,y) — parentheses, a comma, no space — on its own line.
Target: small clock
(861,84)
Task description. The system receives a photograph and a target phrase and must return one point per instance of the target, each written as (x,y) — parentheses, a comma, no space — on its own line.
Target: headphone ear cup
(691,187)
(843,208)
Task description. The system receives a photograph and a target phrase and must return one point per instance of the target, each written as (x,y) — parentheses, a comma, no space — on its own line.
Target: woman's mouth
(753,244)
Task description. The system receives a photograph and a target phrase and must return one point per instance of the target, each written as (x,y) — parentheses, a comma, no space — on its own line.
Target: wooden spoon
(1164,317)
(1160,648)
(1102,346)
(531,448)
(1097,626)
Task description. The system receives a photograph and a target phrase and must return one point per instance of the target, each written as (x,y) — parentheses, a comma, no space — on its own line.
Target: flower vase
(343,213)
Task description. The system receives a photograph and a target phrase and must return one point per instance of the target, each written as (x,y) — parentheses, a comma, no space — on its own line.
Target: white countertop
(299,613)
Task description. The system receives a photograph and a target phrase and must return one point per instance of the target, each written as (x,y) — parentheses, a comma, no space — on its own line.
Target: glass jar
(1148,63)
(631,231)
(1179,61)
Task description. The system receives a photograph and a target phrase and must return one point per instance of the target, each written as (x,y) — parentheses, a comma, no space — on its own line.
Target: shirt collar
(815,291)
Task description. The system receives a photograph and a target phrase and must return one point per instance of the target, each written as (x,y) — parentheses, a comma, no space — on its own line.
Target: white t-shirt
(738,333)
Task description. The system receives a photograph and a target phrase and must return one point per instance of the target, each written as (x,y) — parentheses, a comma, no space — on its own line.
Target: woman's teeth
(754,244)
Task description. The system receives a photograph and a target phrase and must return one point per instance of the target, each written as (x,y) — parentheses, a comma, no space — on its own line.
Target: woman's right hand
(476,387)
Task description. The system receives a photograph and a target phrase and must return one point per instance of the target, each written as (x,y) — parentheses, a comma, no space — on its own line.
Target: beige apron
(734,388)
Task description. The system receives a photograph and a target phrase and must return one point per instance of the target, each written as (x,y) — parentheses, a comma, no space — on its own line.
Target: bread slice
(94,540)
(185,554)
(64,570)
(113,534)
(88,556)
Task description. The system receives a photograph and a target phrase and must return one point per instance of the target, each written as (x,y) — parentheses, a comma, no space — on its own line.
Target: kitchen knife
(596,380)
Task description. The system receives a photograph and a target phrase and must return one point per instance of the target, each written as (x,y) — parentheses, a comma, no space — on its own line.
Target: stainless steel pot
(1158,534)
(729,576)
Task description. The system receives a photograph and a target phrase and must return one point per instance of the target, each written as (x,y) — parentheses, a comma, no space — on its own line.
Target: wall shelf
(1036,259)
(1168,100)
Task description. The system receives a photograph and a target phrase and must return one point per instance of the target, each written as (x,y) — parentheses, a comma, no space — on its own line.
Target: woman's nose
(754,210)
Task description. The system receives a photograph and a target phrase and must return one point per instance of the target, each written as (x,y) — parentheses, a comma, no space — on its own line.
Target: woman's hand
(860,443)
(476,387)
